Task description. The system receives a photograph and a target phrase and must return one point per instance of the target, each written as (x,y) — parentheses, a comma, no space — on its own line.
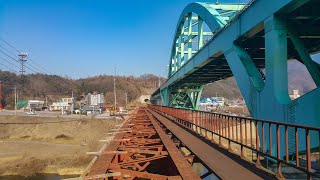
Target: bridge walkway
(223,163)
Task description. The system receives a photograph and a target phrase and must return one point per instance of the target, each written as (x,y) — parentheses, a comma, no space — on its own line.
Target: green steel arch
(215,16)
(205,13)
(265,34)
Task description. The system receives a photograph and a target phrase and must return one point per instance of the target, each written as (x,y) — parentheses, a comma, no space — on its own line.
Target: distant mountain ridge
(40,86)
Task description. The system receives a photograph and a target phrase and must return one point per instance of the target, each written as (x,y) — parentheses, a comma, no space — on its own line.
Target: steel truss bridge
(252,42)
(158,142)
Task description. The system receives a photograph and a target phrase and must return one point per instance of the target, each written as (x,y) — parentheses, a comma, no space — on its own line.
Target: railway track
(150,145)
(141,149)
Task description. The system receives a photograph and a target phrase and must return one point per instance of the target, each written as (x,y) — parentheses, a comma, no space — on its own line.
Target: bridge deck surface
(225,166)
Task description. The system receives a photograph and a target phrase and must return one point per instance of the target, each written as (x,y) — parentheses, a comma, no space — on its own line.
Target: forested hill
(39,86)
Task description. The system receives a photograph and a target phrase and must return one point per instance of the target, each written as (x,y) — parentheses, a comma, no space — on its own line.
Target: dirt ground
(53,145)
(239,111)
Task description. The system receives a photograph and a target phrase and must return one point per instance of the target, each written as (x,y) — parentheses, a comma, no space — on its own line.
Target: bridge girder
(264,36)
(183,48)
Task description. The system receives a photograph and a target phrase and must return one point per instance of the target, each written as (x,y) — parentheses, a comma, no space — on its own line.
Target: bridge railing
(257,136)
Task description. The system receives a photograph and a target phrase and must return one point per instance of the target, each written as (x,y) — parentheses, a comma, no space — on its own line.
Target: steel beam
(200,32)
(257,37)
(305,57)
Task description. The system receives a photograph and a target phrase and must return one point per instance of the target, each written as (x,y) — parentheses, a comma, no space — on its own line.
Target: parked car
(31,113)
(67,112)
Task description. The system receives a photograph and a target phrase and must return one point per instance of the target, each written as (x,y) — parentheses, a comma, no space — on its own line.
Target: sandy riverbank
(53,148)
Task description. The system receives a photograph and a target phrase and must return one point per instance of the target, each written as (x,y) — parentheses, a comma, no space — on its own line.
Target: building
(22,104)
(90,109)
(35,105)
(60,106)
(208,104)
(66,104)
(219,100)
(95,99)
(68,100)
(295,94)
(94,103)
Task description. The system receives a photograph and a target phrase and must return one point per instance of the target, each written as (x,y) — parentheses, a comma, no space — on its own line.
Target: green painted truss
(253,43)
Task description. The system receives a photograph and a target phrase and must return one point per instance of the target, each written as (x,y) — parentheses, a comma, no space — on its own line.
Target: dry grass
(80,131)
(28,149)
(29,165)
(62,136)
(237,110)
(94,145)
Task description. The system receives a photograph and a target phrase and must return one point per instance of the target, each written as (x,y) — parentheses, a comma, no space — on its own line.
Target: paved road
(52,114)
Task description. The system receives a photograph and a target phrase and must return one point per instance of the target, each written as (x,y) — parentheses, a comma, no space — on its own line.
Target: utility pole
(0,95)
(126,101)
(15,100)
(17,96)
(72,107)
(80,112)
(114,88)
(159,82)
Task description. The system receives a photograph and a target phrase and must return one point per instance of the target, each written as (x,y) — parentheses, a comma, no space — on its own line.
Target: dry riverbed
(54,148)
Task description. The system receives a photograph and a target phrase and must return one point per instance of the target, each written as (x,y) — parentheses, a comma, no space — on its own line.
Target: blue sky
(81,38)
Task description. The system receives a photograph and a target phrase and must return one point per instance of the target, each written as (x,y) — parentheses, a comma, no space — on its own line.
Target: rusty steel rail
(235,130)
(141,150)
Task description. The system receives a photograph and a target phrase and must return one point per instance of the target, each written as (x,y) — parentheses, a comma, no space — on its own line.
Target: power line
(6,42)
(17,61)
(29,64)
(9,68)
(39,66)
(34,67)
(7,50)
(9,62)
(9,56)
(37,69)
(9,44)
(26,62)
